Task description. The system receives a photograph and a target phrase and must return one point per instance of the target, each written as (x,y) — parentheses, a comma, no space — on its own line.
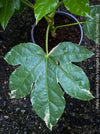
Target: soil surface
(17,115)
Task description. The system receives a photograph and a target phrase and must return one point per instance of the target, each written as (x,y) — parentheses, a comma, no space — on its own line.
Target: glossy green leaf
(47,96)
(23,55)
(78,7)
(71,77)
(74,82)
(70,52)
(40,75)
(43,7)
(7,9)
(36,68)
(92,25)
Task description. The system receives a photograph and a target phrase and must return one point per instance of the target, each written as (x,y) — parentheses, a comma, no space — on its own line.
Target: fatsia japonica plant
(42,74)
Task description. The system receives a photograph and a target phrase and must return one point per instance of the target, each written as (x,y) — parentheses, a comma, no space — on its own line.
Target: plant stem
(26,2)
(59,4)
(71,25)
(68,25)
(50,19)
(47,33)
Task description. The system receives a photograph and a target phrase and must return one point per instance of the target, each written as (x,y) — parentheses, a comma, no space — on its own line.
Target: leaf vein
(30,72)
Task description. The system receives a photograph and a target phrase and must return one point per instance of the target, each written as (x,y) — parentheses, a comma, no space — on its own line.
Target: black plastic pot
(64,14)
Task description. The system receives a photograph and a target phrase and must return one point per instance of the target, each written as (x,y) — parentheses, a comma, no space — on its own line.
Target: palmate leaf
(7,9)
(39,75)
(43,7)
(78,7)
(92,27)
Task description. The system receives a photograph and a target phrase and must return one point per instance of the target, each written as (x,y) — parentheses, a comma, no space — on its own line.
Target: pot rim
(61,13)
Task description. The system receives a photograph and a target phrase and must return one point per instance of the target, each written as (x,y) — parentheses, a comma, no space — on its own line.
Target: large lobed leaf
(7,8)
(38,74)
(92,25)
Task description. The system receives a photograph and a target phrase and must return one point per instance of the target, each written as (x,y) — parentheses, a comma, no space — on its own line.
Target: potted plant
(43,74)
(72,33)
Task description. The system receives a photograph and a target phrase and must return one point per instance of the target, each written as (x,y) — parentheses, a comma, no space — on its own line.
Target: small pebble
(17,109)
(22,111)
(6,117)
(5,82)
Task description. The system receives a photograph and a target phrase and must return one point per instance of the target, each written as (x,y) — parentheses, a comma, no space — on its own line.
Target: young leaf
(92,26)
(43,7)
(39,74)
(7,9)
(78,7)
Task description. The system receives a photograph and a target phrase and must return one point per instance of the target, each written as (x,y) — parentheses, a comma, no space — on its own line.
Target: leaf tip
(89,96)
(37,19)
(5,58)
(92,53)
(50,126)
(4,24)
(92,97)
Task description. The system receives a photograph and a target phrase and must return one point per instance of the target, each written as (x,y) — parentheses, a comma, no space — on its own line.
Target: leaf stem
(68,25)
(26,2)
(71,25)
(47,33)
